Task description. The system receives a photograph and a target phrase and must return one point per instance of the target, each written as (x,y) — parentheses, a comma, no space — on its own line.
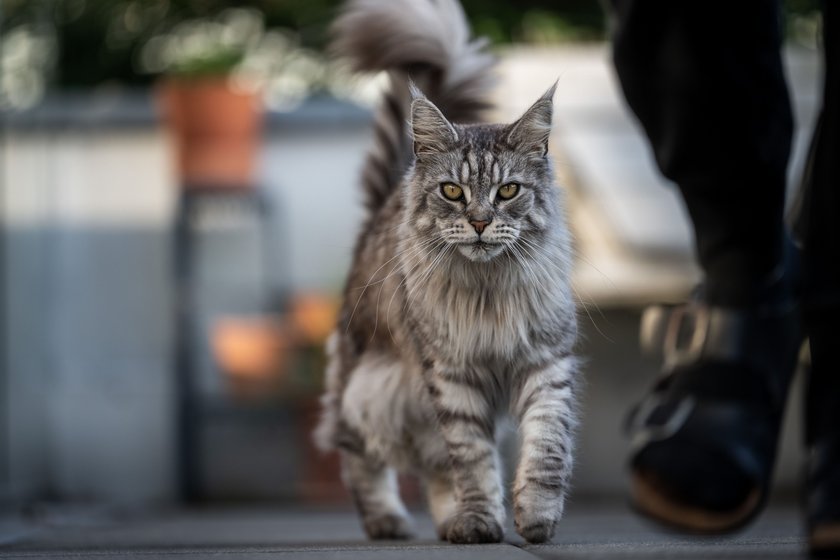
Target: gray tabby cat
(458,305)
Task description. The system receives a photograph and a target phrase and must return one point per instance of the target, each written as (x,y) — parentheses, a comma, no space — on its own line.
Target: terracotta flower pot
(216,131)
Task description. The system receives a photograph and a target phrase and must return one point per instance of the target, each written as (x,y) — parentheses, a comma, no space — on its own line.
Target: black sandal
(822,426)
(823,498)
(703,443)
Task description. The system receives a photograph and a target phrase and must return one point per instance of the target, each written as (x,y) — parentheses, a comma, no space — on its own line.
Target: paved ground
(587,532)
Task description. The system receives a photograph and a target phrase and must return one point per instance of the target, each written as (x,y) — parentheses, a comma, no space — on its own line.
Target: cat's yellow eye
(451,191)
(508,191)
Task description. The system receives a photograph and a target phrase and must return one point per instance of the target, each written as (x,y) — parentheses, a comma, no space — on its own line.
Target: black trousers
(705,80)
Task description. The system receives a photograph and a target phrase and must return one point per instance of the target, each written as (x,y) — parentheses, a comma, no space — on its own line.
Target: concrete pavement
(588,531)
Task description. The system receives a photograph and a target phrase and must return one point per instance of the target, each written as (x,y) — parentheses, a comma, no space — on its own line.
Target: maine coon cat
(458,306)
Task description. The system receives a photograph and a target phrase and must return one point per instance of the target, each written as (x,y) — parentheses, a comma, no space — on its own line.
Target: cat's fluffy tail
(428,42)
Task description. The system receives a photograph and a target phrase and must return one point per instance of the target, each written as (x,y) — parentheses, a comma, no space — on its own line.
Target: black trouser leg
(818,227)
(818,224)
(705,80)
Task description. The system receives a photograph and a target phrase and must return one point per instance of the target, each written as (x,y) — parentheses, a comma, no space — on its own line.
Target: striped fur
(426,41)
(445,328)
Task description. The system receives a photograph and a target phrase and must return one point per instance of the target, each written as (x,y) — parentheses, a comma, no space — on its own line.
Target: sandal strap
(656,420)
(687,334)
(760,339)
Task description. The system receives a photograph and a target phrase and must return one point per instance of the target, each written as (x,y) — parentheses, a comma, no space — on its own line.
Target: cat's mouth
(479,250)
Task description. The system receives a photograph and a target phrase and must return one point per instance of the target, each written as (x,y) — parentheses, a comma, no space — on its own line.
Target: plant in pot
(216,75)
(212,108)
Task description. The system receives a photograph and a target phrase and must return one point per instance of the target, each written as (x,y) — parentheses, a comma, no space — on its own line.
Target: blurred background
(178,205)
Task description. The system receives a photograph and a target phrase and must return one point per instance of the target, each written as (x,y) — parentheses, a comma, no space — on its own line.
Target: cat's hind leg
(371,436)
(440,493)
(375,492)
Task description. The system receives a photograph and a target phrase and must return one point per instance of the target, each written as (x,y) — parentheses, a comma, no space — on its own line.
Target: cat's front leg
(545,409)
(467,423)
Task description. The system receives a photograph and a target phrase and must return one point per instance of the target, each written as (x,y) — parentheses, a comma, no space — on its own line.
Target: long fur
(457,309)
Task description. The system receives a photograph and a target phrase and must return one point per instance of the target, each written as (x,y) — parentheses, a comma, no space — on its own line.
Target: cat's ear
(530,133)
(432,132)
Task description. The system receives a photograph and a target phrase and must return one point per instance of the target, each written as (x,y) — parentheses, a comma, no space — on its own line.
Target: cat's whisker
(416,255)
(580,301)
(395,268)
(402,282)
(370,283)
(428,274)
(430,266)
(530,274)
(570,257)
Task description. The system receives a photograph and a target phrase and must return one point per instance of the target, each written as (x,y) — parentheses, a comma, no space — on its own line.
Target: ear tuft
(432,132)
(530,133)
(414,91)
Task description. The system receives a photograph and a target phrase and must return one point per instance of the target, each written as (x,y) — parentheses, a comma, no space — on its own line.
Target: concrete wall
(87,218)
(89,319)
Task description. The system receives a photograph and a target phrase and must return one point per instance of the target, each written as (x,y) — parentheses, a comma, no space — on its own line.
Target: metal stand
(201,210)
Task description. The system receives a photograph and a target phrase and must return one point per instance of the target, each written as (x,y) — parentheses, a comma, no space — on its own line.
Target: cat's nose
(479,225)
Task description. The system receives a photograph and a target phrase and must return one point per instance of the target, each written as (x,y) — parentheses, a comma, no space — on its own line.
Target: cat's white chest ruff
(488,327)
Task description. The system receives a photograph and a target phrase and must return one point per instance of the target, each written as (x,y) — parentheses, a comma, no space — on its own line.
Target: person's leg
(818,229)
(705,80)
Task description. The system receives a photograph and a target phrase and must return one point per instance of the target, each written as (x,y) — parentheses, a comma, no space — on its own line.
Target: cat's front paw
(536,525)
(536,532)
(472,528)
(388,527)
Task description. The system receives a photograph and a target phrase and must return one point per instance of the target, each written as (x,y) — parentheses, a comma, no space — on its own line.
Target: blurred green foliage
(537,21)
(215,63)
(99,41)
